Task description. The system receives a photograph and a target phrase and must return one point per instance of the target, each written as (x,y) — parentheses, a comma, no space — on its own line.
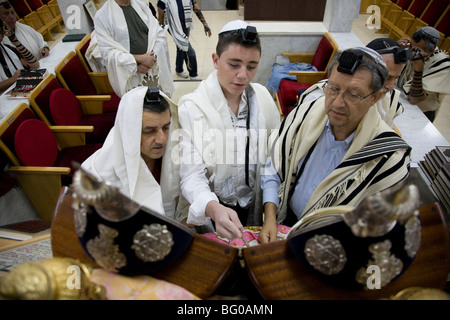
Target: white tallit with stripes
(377,158)
(436,78)
(174,23)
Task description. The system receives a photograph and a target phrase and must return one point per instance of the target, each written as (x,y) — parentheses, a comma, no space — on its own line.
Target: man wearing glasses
(335,150)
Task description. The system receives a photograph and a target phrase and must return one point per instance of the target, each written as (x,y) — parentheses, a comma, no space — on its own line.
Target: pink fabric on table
(251,234)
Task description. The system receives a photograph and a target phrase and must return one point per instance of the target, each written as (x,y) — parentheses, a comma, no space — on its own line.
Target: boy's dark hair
(237,37)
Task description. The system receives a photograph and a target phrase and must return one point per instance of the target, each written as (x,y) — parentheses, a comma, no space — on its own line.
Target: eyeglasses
(348,97)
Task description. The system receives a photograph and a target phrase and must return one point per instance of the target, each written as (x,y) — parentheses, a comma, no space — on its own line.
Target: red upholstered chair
(287,95)
(21,7)
(34,4)
(320,59)
(73,76)
(443,24)
(417,7)
(39,100)
(80,50)
(404,4)
(66,109)
(40,162)
(431,15)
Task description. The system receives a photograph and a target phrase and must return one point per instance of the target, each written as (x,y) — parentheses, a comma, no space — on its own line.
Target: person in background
(13,59)
(133,46)
(425,79)
(395,58)
(32,40)
(177,14)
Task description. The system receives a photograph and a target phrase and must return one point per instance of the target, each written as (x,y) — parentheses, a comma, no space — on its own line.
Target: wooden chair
(41,156)
(56,12)
(390,18)
(445,45)
(279,275)
(73,76)
(34,21)
(53,23)
(48,14)
(201,269)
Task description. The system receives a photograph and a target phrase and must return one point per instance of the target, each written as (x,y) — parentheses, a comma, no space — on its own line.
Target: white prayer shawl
(114,44)
(211,108)
(119,161)
(93,55)
(174,23)
(12,64)
(388,106)
(377,158)
(435,79)
(30,38)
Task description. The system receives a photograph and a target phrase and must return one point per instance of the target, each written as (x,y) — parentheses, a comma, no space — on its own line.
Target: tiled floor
(14,208)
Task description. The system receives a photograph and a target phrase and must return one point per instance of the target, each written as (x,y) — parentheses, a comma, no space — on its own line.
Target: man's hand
(269,230)
(226,220)
(44,52)
(142,69)
(147,59)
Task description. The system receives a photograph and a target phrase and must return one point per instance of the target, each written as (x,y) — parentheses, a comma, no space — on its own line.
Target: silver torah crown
(109,202)
(379,213)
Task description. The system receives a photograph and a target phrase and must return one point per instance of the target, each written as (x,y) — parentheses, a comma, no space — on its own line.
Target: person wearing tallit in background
(224,126)
(395,58)
(335,150)
(26,35)
(180,22)
(13,59)
(136,155)
(133,46)
(426,78)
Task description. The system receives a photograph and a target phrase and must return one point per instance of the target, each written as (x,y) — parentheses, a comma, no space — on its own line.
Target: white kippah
(234,25)
(375,55)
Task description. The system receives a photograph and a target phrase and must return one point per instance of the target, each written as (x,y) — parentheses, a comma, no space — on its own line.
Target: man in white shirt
(225,123)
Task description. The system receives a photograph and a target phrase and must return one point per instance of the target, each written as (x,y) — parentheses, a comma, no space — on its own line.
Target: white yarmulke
(234,25)
(375,55)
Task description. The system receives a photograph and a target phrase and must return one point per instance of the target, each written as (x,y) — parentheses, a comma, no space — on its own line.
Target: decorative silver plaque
(104,251)
(325,254)
(152,243)
(389,265)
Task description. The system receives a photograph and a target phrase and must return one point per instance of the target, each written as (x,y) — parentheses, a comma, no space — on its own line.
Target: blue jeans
(189,57)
